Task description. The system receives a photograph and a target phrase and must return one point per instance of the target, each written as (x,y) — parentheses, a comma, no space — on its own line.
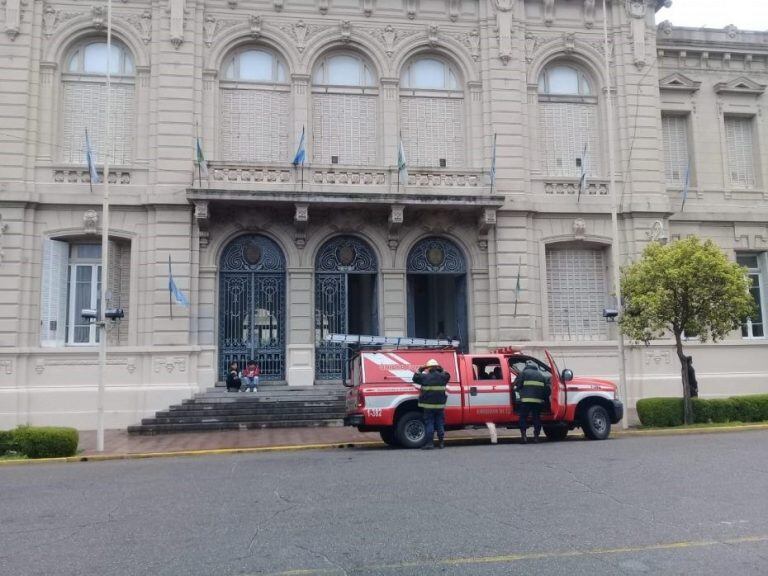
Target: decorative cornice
(679,82)
(741,85)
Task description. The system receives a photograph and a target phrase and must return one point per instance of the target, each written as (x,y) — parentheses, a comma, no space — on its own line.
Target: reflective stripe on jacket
(532,386)
(432,392)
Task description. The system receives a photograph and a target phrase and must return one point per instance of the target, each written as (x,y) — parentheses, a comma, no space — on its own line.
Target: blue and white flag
(175,291)
(493,162)
(402,168)
(583,177)
(301,151)
(686,184)
(89,159)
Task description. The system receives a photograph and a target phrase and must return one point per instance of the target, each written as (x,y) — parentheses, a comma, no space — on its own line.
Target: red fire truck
(383,399)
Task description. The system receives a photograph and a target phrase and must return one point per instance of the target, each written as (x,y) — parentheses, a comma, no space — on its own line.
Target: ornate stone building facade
(273,257)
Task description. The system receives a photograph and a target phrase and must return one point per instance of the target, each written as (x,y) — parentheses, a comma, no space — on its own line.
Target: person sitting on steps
(233,378)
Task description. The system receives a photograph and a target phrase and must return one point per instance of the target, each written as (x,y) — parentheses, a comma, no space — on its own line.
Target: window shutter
(433,128)
(738,135)
(84,107)
(565,128)
(53,293)
(576,288)
(344,125)
(676,156)
(254,125)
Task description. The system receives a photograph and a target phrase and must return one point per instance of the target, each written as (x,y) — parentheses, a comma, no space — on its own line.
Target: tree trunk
(687,406)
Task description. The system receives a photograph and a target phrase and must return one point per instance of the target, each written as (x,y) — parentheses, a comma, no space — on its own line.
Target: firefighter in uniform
(534,390)
(432,379)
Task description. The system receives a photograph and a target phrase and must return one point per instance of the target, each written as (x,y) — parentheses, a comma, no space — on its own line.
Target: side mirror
(567,375)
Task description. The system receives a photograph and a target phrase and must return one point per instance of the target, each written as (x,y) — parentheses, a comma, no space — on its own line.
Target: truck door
(486,390)
(557,400)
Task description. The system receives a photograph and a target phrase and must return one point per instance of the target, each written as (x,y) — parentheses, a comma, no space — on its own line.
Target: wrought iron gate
(337,259)
(252,306)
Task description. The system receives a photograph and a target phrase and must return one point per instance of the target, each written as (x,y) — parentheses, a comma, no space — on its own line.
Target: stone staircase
(273,406)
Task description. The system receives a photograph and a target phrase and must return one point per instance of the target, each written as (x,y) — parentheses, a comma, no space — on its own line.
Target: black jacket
(533,386)
(432,382)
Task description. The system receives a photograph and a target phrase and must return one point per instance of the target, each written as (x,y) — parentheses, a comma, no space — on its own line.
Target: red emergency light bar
(507,350)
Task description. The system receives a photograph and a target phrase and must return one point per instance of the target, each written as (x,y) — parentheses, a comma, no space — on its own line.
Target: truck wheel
(388,436)
(555,433)
(410,431)
(596,423)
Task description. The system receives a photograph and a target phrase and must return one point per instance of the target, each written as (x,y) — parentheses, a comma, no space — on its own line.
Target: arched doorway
(252,306)
(437,290)
(345,300)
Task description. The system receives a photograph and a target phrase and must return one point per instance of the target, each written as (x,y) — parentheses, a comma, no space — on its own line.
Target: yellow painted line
(511,558)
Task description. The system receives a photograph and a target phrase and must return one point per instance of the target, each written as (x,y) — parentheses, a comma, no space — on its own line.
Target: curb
(459,440)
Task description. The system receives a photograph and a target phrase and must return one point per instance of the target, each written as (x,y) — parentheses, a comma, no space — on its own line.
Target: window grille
(432,128)
(565,129)
(345,125)
(254,125)
(676,155)
(576,288)
(739,137)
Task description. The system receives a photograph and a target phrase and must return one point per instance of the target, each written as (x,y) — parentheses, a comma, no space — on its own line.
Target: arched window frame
(586,98)
(122,79)
(273,145)
(280,77)
(368,77)
(432,150)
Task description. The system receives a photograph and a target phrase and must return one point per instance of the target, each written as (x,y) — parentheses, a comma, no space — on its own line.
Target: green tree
(684,287)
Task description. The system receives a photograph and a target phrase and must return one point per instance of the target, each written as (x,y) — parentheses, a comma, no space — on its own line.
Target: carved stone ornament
(504,28)
(345,27)
(300,222)
(177,22)
(569,42)
(98,16)
(49,19)
(202,217)
(12,18)
(473,40)
(145,25)
(395,222)
(322,5)
(232,4)
(255,25)
(665,28)
(454,9)
(549,12)
(209,29)
(410,8)
(90,221)
(589,13)
(300,30)
(389,35)
(731,30)
(579,228)
(3,229)
(367,8)
(636,10)
(278,5)
(432,34)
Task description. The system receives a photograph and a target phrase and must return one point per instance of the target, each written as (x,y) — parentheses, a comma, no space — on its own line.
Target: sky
(744,14)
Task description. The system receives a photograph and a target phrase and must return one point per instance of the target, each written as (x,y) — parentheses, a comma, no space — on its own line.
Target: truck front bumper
(354,420)
(618,411)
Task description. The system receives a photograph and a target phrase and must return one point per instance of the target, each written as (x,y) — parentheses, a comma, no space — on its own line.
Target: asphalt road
(652,505)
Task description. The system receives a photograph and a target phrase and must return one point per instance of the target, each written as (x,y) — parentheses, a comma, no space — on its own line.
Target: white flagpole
(102,321)
(615,248)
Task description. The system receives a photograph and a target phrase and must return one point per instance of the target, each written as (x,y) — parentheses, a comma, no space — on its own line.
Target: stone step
(229,400)
(211,426)
(237,408)
(247,418)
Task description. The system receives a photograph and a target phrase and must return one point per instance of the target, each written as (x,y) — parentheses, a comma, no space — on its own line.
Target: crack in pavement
(324,557)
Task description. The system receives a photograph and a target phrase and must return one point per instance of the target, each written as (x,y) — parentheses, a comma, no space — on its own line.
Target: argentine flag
(175,291)
(89,159)
(301,152)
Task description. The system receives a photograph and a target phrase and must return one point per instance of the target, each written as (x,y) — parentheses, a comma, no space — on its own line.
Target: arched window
(568,122)
(84,90)
(344,110)
(254,104)
(432,113)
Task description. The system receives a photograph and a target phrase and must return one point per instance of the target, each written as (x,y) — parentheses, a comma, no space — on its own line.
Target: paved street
(654,505)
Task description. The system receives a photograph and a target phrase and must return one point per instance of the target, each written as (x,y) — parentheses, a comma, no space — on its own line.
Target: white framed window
(345,110)
(569,124)
(754,326)
(739,138)
(432,115)
(71,282)
(577,292)
(254,105)
(83,102)
(677,160)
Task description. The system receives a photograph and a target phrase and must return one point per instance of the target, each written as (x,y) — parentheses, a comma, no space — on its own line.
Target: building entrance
(345,300)
(437,291)
(252,306)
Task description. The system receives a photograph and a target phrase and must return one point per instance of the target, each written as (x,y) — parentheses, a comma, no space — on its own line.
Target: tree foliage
(687,286)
